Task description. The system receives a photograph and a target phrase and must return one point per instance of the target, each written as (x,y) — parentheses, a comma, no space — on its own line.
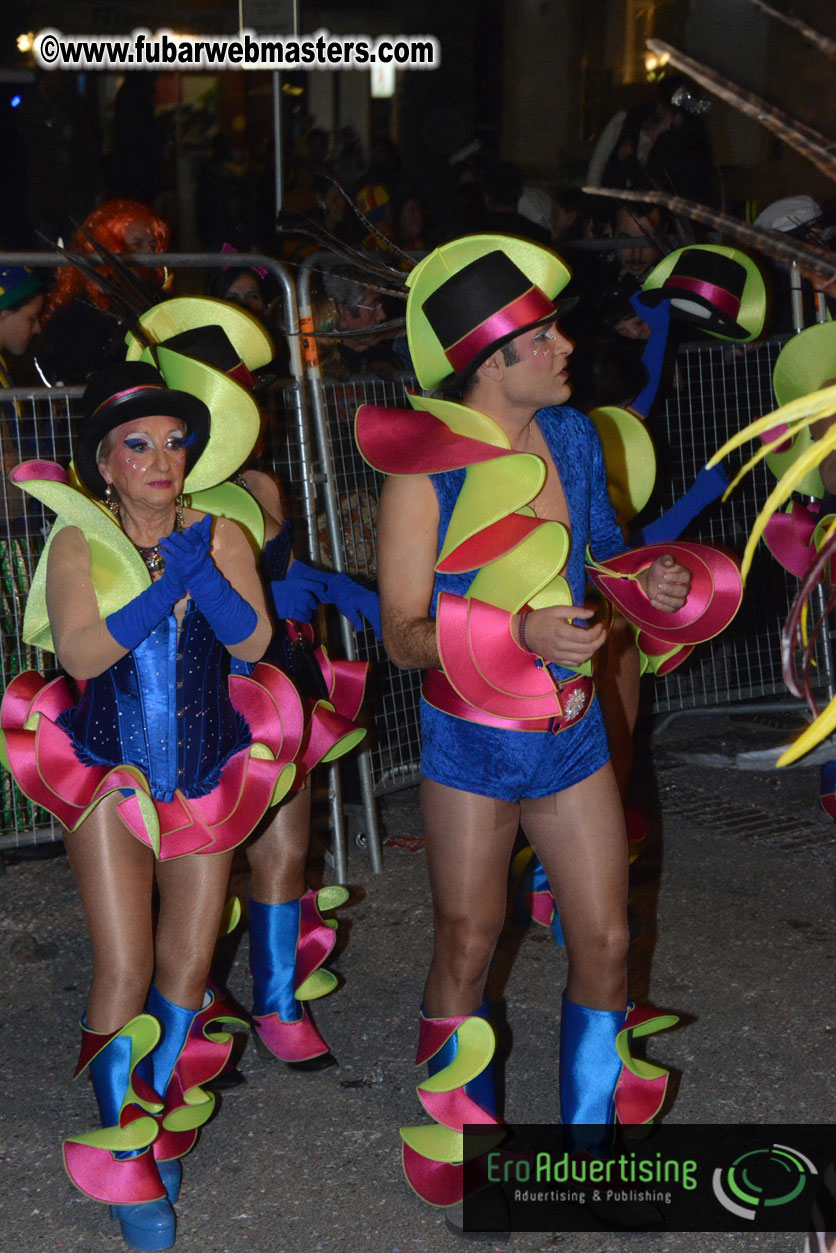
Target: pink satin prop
(201,1060)
(437,691)
(490,543)
(440,1183)
(412,441)
(47,770)
(48,471)
(655,648)
(717,296)
(768,436)
(298,1041)
(477,653)
(100,1176)
(638,1101)
(530,307)
(713,599)
(455,1109)
(316,939)
(433,1034)
(290,1041)
(789,537)
(324,731)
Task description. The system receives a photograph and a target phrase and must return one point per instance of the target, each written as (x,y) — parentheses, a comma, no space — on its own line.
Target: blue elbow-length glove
(658,318)
(298,594)
(231,617)
(135,621)
(707,486)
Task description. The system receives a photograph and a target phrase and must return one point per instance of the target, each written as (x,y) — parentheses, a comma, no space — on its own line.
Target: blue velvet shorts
(508,765)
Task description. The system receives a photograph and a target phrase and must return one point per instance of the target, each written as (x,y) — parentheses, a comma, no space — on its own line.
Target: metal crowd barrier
(717,389)
(43,429)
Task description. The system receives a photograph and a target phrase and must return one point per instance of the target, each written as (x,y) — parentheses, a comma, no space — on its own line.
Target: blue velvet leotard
(163,707)
(512,764)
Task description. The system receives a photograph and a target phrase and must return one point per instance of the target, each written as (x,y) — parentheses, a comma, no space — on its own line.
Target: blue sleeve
(605,538)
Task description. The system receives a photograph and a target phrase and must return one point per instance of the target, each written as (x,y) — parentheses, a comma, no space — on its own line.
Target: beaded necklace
(153,558)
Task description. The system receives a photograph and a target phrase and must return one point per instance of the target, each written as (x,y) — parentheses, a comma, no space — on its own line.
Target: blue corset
(164,707)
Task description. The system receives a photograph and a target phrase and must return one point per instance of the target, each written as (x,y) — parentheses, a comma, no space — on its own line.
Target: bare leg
(277,858)
(468,841)
(115,875)
(618,684)
(579,837)
(192,895)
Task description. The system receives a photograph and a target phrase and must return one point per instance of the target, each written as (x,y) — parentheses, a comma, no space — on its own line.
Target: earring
(178,513)
(111,500)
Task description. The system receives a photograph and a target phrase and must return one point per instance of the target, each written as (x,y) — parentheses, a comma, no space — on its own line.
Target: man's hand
(665,583)
(550,634)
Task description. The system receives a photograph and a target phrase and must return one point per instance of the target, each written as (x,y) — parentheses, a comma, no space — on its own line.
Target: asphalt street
(734,928)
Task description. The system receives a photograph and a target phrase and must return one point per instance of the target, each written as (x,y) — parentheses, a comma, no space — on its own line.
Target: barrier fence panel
(41,430)
(716,391)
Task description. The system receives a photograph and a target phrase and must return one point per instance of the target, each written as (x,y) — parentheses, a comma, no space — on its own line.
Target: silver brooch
(574,705)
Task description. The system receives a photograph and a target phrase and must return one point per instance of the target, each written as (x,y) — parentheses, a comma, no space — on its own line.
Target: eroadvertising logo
(762,1178)
(740,1177)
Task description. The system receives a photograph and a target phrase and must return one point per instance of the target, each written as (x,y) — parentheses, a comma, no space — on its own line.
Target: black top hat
(121,392)
(212,345)
(705,288)
(482,307)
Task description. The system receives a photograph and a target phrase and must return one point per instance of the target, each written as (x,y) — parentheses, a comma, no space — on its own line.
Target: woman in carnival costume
(289,941)
(483,529)
(158,764)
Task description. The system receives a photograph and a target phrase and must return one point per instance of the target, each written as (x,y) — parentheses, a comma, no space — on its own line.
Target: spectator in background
(665,144)
(645,223)
(412,225)
(358,308)
(537,205)
(375,203)
(801,217)
(244,287)
(21,303)
(82,329)
(503,187)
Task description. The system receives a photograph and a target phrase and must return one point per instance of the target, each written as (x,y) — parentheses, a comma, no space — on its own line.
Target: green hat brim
(629,459)
(185,313)
(544,268)
(753,298)
(234,418)
(805,364)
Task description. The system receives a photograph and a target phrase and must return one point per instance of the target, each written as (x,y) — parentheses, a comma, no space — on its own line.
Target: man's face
(18,327)
(540,375)
(369,312)
(640,260)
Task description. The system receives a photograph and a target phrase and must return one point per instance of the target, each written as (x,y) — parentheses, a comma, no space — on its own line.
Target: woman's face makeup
(146,459)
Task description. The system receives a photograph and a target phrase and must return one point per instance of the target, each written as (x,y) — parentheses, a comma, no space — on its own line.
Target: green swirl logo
(762,1179)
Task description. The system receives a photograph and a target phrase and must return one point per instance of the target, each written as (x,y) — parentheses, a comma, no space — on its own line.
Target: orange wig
(107,225)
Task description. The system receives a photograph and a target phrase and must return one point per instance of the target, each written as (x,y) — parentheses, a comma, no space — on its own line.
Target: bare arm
(407,543)
(83,644)
(268,493)
(234,558)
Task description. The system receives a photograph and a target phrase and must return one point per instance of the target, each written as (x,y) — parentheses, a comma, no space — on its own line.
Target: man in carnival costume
(483,529)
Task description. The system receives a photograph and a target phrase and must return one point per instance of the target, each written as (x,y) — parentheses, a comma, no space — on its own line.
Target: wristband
(521,630)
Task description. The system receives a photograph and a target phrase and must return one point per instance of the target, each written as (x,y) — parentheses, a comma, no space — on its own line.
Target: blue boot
(176,1023)
(150,1226)
(481,1089)
(590,1068)
(283,1026)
